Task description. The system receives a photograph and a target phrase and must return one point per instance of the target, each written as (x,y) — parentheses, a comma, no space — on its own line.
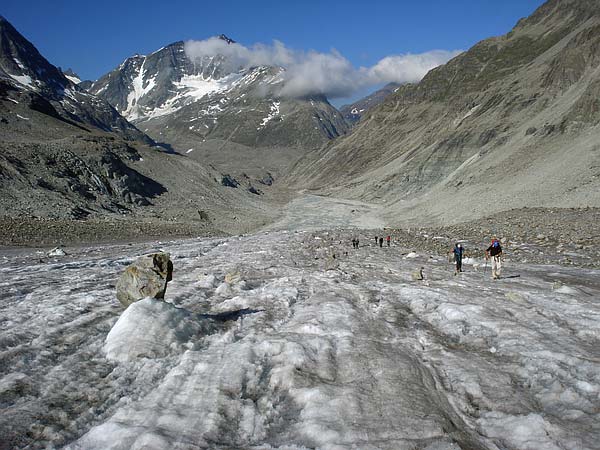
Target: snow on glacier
(260,346)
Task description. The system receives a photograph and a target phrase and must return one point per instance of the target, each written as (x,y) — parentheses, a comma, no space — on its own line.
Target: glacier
(295,340)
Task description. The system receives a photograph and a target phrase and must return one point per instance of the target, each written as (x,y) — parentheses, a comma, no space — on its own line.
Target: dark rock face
(20,61)
(71,75)
(82,174)
(267,180)
(86,85)
(187,102)
(33,79)
(63,152)
(229,181)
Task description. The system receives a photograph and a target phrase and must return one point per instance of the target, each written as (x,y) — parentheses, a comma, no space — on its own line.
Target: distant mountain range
(187,102)
(513,122)
(68,154)
(353,112)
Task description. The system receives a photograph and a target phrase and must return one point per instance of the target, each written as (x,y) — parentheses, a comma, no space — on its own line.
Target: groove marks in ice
(265,348)
(54,318)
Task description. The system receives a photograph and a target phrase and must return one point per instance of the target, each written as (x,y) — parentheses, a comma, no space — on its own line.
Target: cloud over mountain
(312,72)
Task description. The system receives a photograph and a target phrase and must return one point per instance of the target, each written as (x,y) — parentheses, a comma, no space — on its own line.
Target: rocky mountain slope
(27,78)
(354,111)
(199,105)
(513,122)
(67,154)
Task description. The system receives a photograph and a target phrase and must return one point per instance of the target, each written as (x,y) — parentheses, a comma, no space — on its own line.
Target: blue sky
(94,37)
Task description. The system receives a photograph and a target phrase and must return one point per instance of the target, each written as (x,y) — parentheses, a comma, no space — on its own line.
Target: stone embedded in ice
(514,296)
(566,290)
(14,385)
(146,277)
(56,251)
(332,263)
(233,277)
(417,275)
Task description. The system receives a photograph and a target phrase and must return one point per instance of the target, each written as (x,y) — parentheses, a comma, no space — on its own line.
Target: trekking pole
(485,266)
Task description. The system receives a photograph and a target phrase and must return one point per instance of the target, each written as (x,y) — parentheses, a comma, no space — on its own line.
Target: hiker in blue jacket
(458,256)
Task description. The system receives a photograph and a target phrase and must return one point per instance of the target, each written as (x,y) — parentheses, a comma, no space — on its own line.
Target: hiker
(353,243)
(357,242)
(381,242)
(458,256)
(495,252)
(388,239)
(376,240)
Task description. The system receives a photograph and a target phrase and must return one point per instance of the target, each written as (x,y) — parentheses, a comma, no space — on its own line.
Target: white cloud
(408,68)
(311,73)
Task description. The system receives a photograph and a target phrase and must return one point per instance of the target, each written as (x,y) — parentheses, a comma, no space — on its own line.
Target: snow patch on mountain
(469,113)
(274,113)
(139,88)
(24,80)
(73,79)
(197,87)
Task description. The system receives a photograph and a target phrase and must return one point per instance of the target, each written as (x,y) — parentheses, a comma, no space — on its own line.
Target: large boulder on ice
(152,328)
(145,277)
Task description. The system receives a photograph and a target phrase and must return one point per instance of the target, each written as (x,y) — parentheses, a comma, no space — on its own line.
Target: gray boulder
(146,277)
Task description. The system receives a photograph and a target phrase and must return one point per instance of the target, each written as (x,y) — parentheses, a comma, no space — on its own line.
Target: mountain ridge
(67,155)
(166,88)
(511,104)
(26,73)
(354,111)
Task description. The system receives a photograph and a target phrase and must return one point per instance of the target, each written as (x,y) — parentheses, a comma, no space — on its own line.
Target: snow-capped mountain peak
(226,39)
(211,97)
(143,87)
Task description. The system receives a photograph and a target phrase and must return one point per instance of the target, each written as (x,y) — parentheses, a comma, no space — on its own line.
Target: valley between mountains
(275,331)
(184,144)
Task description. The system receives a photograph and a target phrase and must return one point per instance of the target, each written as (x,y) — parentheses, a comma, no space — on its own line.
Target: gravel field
(530,235)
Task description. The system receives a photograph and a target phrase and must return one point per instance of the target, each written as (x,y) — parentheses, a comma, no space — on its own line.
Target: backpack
(495,248)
